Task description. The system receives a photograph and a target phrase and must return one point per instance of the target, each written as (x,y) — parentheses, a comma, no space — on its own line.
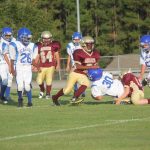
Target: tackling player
(145,58)
(84,58)
(103,84)
(23,51)
(47,61)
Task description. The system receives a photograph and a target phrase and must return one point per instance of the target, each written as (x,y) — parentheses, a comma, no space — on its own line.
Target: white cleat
(41,95)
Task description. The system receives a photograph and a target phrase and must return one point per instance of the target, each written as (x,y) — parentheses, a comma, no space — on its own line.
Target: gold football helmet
(46,37)
(87,43)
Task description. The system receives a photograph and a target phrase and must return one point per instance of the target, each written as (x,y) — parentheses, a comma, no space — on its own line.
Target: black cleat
(77,100)
(29,104)
(55,101)
(20,102)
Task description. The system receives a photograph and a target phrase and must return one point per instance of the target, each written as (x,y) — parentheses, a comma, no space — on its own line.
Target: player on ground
(23,51)
(104,84)
(85,58)
(47,61)
(145,58)
(133,90)
(71,47)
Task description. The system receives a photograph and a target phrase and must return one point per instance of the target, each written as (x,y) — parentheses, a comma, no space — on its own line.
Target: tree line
(116,25)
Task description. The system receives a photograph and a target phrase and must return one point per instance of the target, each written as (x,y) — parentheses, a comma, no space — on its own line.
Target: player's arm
(57,56)
(124,95)
(81,67)
(143,68)
(68,63)
(8,62)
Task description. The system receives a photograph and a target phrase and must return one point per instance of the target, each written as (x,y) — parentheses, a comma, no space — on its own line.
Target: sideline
(107,123)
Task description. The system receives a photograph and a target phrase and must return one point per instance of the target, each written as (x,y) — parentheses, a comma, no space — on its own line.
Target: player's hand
(57,68)
(68,69)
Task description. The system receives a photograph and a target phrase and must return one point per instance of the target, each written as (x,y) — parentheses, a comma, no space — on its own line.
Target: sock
(75,87)
(42,89)
(48,89)
(3,89)
(7,92)
(59,93)
(80,90)
(148,101)
(19,95)
(29,95)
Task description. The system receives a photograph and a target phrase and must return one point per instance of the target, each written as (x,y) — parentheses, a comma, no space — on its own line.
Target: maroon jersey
(84,58)
(47,52)
(128,78)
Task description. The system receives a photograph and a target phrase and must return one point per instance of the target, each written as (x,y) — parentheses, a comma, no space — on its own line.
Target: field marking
(108,122)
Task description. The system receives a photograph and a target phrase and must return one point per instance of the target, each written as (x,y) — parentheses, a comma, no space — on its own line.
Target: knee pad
(5,82)
(67,91)
(20,87)
(39,81)
(27,87)
(9,83)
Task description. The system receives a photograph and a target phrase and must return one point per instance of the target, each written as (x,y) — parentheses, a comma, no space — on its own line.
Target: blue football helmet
(94,74)
(7,34)
(145,42)
(76,36)
(24,36)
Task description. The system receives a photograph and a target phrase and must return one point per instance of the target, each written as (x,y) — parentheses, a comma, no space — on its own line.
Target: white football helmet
(46,37)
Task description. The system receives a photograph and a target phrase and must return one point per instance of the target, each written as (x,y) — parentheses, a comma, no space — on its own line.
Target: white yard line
(106,123)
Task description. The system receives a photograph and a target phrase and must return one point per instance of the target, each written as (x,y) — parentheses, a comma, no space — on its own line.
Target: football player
(71,47)
(7,37)
(145,57)
(133,90)
(103,84)
(47,61)
(23,51)
(84,58)
(5,68)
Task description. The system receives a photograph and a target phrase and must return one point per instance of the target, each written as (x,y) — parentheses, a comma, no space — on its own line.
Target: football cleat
(20,102)
(47,96)
(77,100)
(55,101)
(41,95)
(29,104)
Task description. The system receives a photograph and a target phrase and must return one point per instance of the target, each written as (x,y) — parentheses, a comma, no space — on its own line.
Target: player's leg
(84,82)
(7,92)
(20,86)
(64,91)
(27,85)
(49,77)
(3,74)
(40,81)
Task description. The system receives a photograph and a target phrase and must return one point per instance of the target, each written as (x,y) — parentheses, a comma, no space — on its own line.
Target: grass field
(89,126)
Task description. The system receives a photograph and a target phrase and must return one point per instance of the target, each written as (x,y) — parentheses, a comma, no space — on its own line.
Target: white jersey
(145,58)
(107,86)
(71,47)
(23,55)
(3,49)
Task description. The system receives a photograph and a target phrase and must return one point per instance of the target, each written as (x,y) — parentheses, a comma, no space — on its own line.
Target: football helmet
(46,37)
(145,42)
(94,74)
(88,43)
(76,38)
(7,34)
(24,36)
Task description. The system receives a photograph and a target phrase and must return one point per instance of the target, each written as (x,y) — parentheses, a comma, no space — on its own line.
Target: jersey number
(25,58)
(47,56)
(108,81)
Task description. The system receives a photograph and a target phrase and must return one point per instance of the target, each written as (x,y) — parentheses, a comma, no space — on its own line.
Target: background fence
(116,65)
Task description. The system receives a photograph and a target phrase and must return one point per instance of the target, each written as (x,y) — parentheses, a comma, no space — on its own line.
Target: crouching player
(104,84)
(133,90)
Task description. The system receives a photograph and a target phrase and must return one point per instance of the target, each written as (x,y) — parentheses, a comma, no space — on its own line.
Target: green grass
(89,126)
